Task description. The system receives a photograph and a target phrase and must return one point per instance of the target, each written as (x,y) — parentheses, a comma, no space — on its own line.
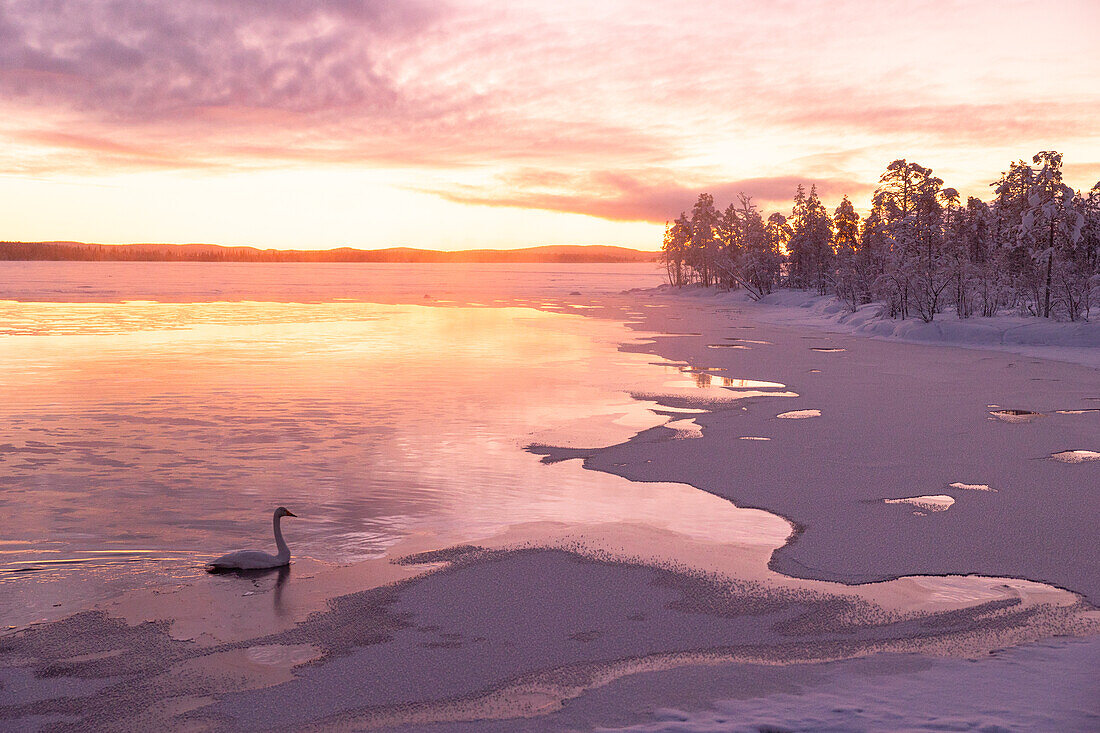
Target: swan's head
(284,512)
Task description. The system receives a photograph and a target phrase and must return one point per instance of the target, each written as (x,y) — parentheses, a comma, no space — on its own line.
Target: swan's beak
(290,513)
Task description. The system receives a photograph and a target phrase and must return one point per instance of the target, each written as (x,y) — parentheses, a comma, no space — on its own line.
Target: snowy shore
(1077,342)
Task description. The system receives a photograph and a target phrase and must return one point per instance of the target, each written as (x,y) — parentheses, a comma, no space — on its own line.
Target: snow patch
(971,487)
(1076,456)
(932,502)
(685,429)
(799,414)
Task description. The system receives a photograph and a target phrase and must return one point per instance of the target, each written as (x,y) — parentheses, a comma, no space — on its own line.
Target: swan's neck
(284,551)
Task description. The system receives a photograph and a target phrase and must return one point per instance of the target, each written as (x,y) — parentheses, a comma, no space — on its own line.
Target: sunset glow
(543,365)
(474,124)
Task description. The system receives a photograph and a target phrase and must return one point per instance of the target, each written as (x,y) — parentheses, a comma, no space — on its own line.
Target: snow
(932,502)
(1030,688)
(799,414)
(897,420)
(1077,342)
(1076,456)
(971,487)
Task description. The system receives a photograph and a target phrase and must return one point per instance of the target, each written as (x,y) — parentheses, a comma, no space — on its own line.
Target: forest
(1033,249)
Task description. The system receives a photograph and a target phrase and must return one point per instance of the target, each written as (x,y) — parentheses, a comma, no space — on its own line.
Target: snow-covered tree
(762,245)
(1035,247)
(852,275)
(1050,226)
(675,250)
(704,223)
(729,254)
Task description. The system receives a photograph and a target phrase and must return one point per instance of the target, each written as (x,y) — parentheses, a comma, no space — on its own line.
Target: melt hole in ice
(1015,416)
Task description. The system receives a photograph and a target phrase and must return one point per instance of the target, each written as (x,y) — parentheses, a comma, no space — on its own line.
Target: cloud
(959,123)
(648,197)
(213,84)
(141,61)
(547,95)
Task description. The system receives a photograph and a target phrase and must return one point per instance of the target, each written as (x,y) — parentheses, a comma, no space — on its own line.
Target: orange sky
(314,124)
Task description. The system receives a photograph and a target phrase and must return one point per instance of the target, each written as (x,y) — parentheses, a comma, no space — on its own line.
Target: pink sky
(310,124)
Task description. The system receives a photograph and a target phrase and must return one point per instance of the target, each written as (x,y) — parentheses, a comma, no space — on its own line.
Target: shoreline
(364,630)
(1073,342)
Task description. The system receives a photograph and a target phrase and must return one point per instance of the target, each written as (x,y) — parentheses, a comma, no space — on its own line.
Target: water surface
(145,437)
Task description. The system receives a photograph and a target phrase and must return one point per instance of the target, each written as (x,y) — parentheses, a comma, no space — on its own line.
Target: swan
(257,559)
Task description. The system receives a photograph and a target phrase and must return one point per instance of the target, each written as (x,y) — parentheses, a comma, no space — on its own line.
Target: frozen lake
(157,412)
(190,282)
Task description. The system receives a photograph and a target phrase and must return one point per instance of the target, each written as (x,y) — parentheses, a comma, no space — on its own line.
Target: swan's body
(257,559)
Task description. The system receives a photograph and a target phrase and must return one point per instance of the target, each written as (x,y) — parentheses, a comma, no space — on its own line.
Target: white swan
(257,559)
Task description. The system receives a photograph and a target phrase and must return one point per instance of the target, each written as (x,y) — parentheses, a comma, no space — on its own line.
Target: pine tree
(1035,247)
(729,254)
(798,258)
(850,281)
(675,249)
(704,222)
(819,242)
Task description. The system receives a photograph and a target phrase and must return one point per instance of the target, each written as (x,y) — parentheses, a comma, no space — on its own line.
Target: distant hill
(217,253)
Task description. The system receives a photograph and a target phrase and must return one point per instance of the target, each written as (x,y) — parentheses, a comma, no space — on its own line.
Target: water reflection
(143,425)
(706,378)
(253,577)
(32,561)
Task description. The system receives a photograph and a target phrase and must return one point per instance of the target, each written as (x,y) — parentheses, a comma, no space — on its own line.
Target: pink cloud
(641,197)
(587,107)
(953,123)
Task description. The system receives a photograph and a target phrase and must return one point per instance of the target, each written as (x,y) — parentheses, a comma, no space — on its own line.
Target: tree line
(78,251)
(1033,249)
